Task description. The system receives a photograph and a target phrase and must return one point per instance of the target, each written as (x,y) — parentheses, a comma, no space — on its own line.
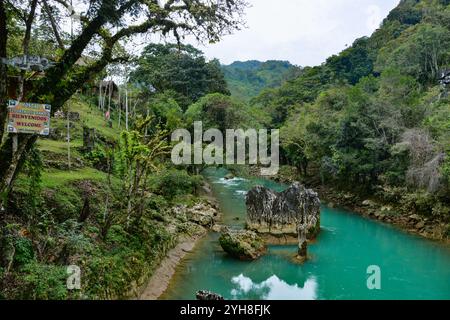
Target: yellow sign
(30,118)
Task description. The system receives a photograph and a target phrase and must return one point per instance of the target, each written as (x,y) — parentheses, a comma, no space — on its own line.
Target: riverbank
(204,218)
(160,279)
(348,244)
(430,228)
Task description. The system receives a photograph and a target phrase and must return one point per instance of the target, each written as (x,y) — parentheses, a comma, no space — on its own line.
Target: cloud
(274,289)
(302,31)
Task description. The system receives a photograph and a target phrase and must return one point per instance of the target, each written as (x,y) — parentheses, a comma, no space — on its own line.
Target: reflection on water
(273,289)
(411,267)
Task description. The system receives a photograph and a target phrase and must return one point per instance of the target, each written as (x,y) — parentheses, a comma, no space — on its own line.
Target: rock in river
(270,212)
(229,176)
(295,211)
(205,295)
(242,244)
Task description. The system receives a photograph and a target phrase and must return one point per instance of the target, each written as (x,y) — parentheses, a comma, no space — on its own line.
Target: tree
(304,89)
(420,52)
(221,112)
(180,68)
(166,110)
(353,63)
(136,158)
(294,138)
(102,28)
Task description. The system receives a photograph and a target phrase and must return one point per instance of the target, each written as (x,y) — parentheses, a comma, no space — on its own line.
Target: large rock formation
(242,244)
(294,212)
(281,213)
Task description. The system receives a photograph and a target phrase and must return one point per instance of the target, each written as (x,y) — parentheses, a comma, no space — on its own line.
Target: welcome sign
(32,118)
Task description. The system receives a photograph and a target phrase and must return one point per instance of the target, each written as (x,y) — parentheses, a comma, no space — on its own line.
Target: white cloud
(274,289)
(304,32)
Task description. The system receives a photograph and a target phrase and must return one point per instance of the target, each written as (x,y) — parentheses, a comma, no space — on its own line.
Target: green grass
(92,117)
(61,179)
(57,146)
(53,179)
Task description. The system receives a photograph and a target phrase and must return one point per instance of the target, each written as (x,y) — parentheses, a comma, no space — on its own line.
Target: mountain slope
(247,79)
(374,120)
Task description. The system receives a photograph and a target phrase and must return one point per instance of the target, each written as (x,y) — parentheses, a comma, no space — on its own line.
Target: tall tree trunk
(11,168)
(3,114)
(3,70)
(9,164)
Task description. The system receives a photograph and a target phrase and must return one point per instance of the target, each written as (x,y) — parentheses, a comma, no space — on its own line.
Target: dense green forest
(247,79)
(108,200)
(372,120)
(375,119)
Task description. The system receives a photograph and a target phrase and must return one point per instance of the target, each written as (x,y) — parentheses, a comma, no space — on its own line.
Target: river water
(411,267)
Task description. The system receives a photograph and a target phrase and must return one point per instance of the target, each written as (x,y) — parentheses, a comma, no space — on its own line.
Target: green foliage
(247,79)
(33,167)
(180,68)
(98,158)
(437,121)
(353,63)
(419,202)
(221,112)
(43,282)
(347,118)
(172,183)
(304,89)
(446,168)
(406,13)
(167,111)
(112,274)
(421,51)
(23,251)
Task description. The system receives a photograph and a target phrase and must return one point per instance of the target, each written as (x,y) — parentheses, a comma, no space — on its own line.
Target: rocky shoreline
(411,223)
(160,280)
(203,217)
(386,213)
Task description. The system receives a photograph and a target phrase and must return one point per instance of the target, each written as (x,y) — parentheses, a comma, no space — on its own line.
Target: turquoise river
(411,267)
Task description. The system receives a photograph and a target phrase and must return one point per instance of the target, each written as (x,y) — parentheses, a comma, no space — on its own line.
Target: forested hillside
(247,79)
(375,119)
(101,192)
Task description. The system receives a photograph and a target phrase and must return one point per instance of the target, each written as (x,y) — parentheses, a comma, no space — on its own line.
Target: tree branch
(28,25)
(53,24)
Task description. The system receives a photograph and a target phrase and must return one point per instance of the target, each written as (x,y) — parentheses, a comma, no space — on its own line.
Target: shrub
(172,183)
(23,251)
(98,158)
(43,282)
(419,202)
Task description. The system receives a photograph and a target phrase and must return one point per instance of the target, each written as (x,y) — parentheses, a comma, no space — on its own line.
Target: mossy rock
(243,244)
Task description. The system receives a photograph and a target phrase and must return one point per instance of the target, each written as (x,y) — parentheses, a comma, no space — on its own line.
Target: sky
(304,32)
